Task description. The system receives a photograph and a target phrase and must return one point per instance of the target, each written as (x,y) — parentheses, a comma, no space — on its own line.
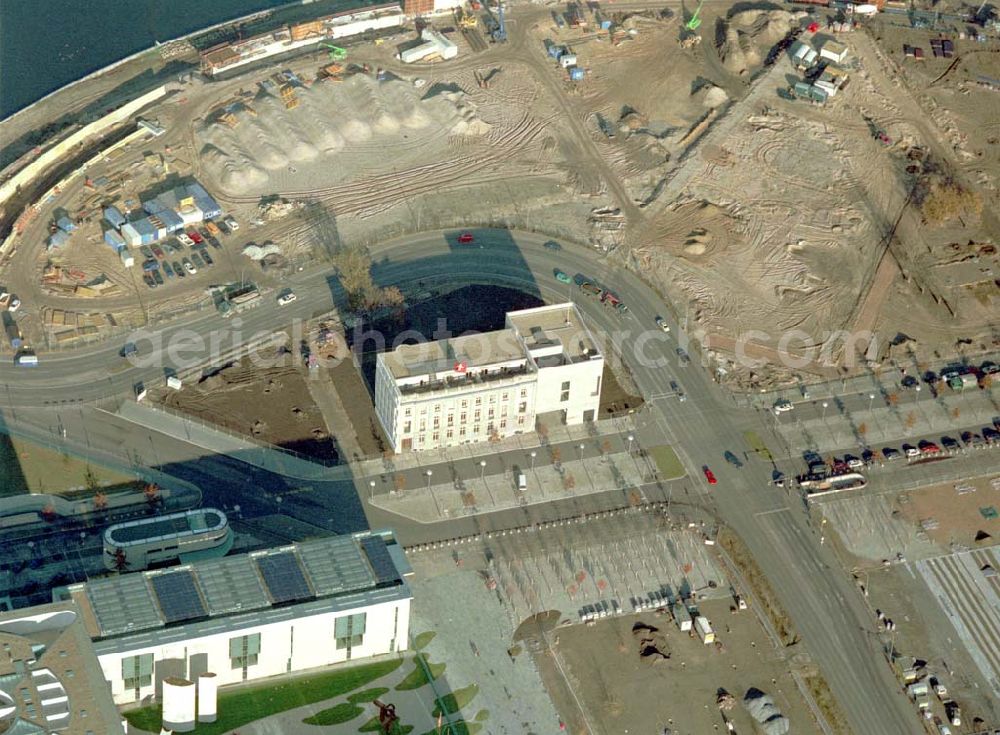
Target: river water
(46,44)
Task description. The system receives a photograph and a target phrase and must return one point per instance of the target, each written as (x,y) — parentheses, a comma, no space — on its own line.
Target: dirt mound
(749,34)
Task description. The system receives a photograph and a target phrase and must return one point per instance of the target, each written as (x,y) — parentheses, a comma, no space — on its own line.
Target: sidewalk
(463,497)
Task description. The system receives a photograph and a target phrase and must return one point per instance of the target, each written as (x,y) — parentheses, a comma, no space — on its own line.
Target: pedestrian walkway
(324,393)
(519,442)
(481,493)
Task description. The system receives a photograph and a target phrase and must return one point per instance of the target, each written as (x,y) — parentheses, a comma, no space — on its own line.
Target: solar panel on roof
(378,556)
(122,604)
(283,577)
(178,596)
(231,584)
(335,565)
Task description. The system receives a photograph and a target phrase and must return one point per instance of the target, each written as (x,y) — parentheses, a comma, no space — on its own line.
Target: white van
(522,481)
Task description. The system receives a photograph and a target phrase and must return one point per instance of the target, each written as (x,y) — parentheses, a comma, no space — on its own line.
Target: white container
(174,382)
(567,60)
(208,697)
(127,260)
(178,704)
(704,629)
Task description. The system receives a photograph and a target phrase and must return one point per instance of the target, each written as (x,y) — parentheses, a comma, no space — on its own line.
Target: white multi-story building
(251,616)
(492,385)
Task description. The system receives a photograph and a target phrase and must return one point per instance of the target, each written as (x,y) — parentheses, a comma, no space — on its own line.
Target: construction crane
(336,53)
(694,22)
(500,32)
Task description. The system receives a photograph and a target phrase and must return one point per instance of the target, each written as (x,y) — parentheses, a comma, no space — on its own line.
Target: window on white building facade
(137,671)
(349,630)
(565,392)
(243,650)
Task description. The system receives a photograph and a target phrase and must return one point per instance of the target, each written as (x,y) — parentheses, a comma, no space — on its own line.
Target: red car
(927,447)
(198,239)
(465,238)
(709,476)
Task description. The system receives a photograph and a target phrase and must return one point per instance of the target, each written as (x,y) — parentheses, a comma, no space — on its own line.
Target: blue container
(114,239)
(556,51)
(605,25)
(576,74)
(65,224)
(114,217)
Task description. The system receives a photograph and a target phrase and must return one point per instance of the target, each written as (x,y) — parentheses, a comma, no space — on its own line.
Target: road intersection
(820,598)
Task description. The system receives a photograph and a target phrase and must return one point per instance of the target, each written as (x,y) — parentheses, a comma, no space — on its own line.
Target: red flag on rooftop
(461,367)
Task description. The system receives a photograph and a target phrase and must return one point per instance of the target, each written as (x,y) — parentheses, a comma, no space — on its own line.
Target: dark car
(128,350)
(890,453)
(972,439)
(167,270)
(991,435)
(196,259)
(733,459)
(158,277)
(223,227)
(867,456)
(683,355)
(148,280)
(150,265)
(949,442)
(909,381)
(146,252)
(209,260)
(989,368)
(930,377)
(552,245)
(214,242)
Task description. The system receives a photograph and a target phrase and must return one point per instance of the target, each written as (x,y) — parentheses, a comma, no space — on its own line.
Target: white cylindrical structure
(208,690)
(178,704)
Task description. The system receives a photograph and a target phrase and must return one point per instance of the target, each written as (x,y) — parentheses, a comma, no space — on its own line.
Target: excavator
(336,52)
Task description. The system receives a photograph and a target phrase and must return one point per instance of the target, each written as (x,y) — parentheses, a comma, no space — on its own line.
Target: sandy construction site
(684,152)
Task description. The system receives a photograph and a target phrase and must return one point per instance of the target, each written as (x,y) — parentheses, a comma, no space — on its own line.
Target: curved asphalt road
(820,598)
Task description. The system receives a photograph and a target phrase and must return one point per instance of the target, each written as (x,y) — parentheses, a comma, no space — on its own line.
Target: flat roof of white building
(475,351)
(233,592)
(557,324)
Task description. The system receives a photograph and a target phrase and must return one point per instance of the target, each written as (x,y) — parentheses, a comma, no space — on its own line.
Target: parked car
(231,223)
(185,240)
(212,228)
(148,280)
(890,453)
(562,277)
(991,435)
(972,438)
(909,381)
(189,266)
(662,324)
(733,459)
(683,355)
(223,227)
(853,462)
(782,405)
(930,377)
(552,245)
(867,456)
(949,442)
(709,475)
(196,238)
(158,277)
(150,265)
(178,269)
(989,368)
(171,246)
(466,238)
(209,260)
(929,447)
(196,259)
(286,297)
(214,243)
(167,270)
(910,451)
(146,252)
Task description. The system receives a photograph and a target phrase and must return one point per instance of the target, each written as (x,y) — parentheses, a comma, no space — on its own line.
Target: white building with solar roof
(251,616)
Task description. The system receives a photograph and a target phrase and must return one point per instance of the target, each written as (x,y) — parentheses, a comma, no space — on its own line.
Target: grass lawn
(456,700)
(373,726)
(757,446)
(239,707)
(421,641)
(667,463)
(336,715)
(417,678)
(30,468)
(368,695)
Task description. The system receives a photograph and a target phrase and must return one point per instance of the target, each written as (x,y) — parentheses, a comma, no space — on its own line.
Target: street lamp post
(482,470)
(631,439)
(871,400)
(581,447)
(533,454)
(429,474)
(371,491)
(825,406)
